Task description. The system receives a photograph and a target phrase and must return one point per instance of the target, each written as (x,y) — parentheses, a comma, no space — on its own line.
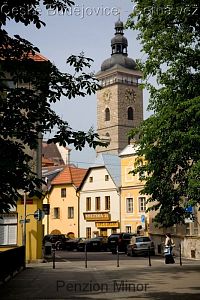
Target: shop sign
(96,216)
(111,224)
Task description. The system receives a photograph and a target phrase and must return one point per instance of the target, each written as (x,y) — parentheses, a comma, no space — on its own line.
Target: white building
(99,203)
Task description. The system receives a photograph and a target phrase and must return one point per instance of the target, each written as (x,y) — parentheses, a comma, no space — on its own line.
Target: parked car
(93,244)
(72,244)
(119,239)
(140,245)
(57,240)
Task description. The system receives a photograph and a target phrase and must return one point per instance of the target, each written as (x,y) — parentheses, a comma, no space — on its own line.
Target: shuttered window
(8,230)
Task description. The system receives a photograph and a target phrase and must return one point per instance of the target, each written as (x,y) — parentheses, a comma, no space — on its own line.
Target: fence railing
(11,261)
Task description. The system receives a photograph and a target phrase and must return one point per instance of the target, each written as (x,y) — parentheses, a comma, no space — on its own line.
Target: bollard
(180,254)
(54,257)
(86,255)
(117,256)
(149,256)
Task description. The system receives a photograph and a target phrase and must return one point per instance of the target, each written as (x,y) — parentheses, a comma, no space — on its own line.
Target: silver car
(140,245)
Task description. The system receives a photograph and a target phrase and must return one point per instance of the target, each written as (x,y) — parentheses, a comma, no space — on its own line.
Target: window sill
(9,245)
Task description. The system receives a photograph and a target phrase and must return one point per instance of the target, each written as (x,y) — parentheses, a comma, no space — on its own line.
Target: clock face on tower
(130,94)
(107,95)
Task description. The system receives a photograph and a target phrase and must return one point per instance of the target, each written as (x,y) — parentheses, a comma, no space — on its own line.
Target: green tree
(27,89)
(169,32)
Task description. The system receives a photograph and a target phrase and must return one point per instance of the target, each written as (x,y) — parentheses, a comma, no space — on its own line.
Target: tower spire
(119,54)
(119,43)
(119,16)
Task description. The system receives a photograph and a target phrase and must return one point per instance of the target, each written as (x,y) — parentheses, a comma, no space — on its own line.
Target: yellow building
(133,204)
(11,226)
(133,216)
(64,202)
(34,232)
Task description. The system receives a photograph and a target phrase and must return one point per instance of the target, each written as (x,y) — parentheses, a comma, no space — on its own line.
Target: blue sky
(87,27)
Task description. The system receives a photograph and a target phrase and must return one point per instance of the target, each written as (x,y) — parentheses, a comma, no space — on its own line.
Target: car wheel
(153,253)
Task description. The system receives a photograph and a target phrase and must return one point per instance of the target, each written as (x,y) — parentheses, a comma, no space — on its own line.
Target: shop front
(100,224)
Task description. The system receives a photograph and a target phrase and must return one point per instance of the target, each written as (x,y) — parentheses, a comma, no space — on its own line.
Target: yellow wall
(5,248)
(34,232)
(63,224)
(131,187)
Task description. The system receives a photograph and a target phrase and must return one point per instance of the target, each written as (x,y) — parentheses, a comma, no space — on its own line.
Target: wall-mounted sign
(28,201)
(110,224)
(97,216)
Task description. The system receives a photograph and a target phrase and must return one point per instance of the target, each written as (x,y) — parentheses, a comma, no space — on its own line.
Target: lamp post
(24,233)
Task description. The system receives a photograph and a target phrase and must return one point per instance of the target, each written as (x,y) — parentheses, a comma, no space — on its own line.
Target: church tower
(120,100)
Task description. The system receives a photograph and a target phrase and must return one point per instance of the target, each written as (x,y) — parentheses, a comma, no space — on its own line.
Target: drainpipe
(78,196)
(119,193)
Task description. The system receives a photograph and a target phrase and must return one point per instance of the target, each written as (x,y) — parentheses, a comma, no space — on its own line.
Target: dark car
(140,245)
(72,244)
(57,240)
(93,244)
(121,240)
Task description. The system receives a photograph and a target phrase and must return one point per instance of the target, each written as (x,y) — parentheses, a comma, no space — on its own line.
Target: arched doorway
(55,231)
(71,235)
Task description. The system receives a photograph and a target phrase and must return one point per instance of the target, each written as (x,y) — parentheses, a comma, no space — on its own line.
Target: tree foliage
(169,32)
(27,89)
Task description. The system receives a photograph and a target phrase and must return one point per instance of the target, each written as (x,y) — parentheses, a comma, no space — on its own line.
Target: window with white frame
(107,202)
(187,229)
(63,193)
(8,229)
(56,213)
(97,203)
(142,204)
(88,232)
(88,203)
(128,229)
(90,179)
(106,177)
(129,205)
(70,212)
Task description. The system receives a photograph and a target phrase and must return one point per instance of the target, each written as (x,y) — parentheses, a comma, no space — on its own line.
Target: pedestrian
(169,244)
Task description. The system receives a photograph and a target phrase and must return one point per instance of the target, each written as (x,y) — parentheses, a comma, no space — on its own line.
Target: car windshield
(142,239)
(114,236)
(126,236)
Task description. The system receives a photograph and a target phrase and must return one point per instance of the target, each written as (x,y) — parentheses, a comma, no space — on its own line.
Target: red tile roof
(50,151)
(71,175)
(37,57)
(47,162)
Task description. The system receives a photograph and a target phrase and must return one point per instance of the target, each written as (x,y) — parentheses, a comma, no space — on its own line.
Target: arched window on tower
(130,113)
(107,114)
(118,48)
(113,49)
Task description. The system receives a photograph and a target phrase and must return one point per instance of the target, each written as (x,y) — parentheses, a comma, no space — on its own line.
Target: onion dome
(119,54)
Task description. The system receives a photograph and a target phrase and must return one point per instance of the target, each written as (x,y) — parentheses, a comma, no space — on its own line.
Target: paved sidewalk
(104,280)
